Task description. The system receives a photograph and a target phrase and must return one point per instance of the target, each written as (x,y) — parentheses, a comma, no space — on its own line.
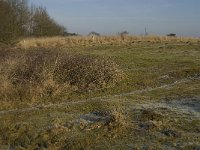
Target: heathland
(109,92)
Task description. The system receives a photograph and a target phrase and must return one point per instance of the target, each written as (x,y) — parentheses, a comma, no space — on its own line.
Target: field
(103,93)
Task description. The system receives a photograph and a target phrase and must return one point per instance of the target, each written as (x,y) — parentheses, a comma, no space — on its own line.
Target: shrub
(29,75)
(88,72)
(44,73)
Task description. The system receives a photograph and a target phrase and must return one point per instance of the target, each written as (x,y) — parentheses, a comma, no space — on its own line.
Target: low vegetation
(43,74)
(102,93)
(87,41)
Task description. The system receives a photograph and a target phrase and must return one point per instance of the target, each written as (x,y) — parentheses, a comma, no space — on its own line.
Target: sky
(106,17)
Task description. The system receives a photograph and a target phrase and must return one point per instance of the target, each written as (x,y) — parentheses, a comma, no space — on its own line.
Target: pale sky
(160,17)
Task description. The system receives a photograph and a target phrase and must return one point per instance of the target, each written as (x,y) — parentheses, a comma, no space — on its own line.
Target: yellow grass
(60,41)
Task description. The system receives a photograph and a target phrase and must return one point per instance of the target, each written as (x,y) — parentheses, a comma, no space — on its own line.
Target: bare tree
(21,15)
(18,19)
(6,19)
(14,16)
(44,25)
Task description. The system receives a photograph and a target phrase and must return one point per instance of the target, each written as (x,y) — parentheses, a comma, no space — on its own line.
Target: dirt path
(102,98)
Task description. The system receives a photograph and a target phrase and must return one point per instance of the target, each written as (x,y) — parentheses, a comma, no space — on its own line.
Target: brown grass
(87,40)
(40,74)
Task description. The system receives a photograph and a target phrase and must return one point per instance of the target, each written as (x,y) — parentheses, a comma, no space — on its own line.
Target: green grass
(151,118)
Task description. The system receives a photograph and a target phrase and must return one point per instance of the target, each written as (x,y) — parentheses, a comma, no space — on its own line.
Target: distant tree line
(17,19)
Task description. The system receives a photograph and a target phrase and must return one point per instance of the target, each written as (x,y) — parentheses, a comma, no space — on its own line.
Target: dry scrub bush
(30,76)
(41,73)
(89,72)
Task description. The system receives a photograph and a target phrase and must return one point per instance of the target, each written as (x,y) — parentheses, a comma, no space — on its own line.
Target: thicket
(17,19)
(32,75)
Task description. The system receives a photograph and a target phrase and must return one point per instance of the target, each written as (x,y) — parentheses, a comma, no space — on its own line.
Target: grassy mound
(44,73)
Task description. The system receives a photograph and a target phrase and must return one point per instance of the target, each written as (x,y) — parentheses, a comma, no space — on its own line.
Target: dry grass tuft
(89,73)
(118,117)
(42,74)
